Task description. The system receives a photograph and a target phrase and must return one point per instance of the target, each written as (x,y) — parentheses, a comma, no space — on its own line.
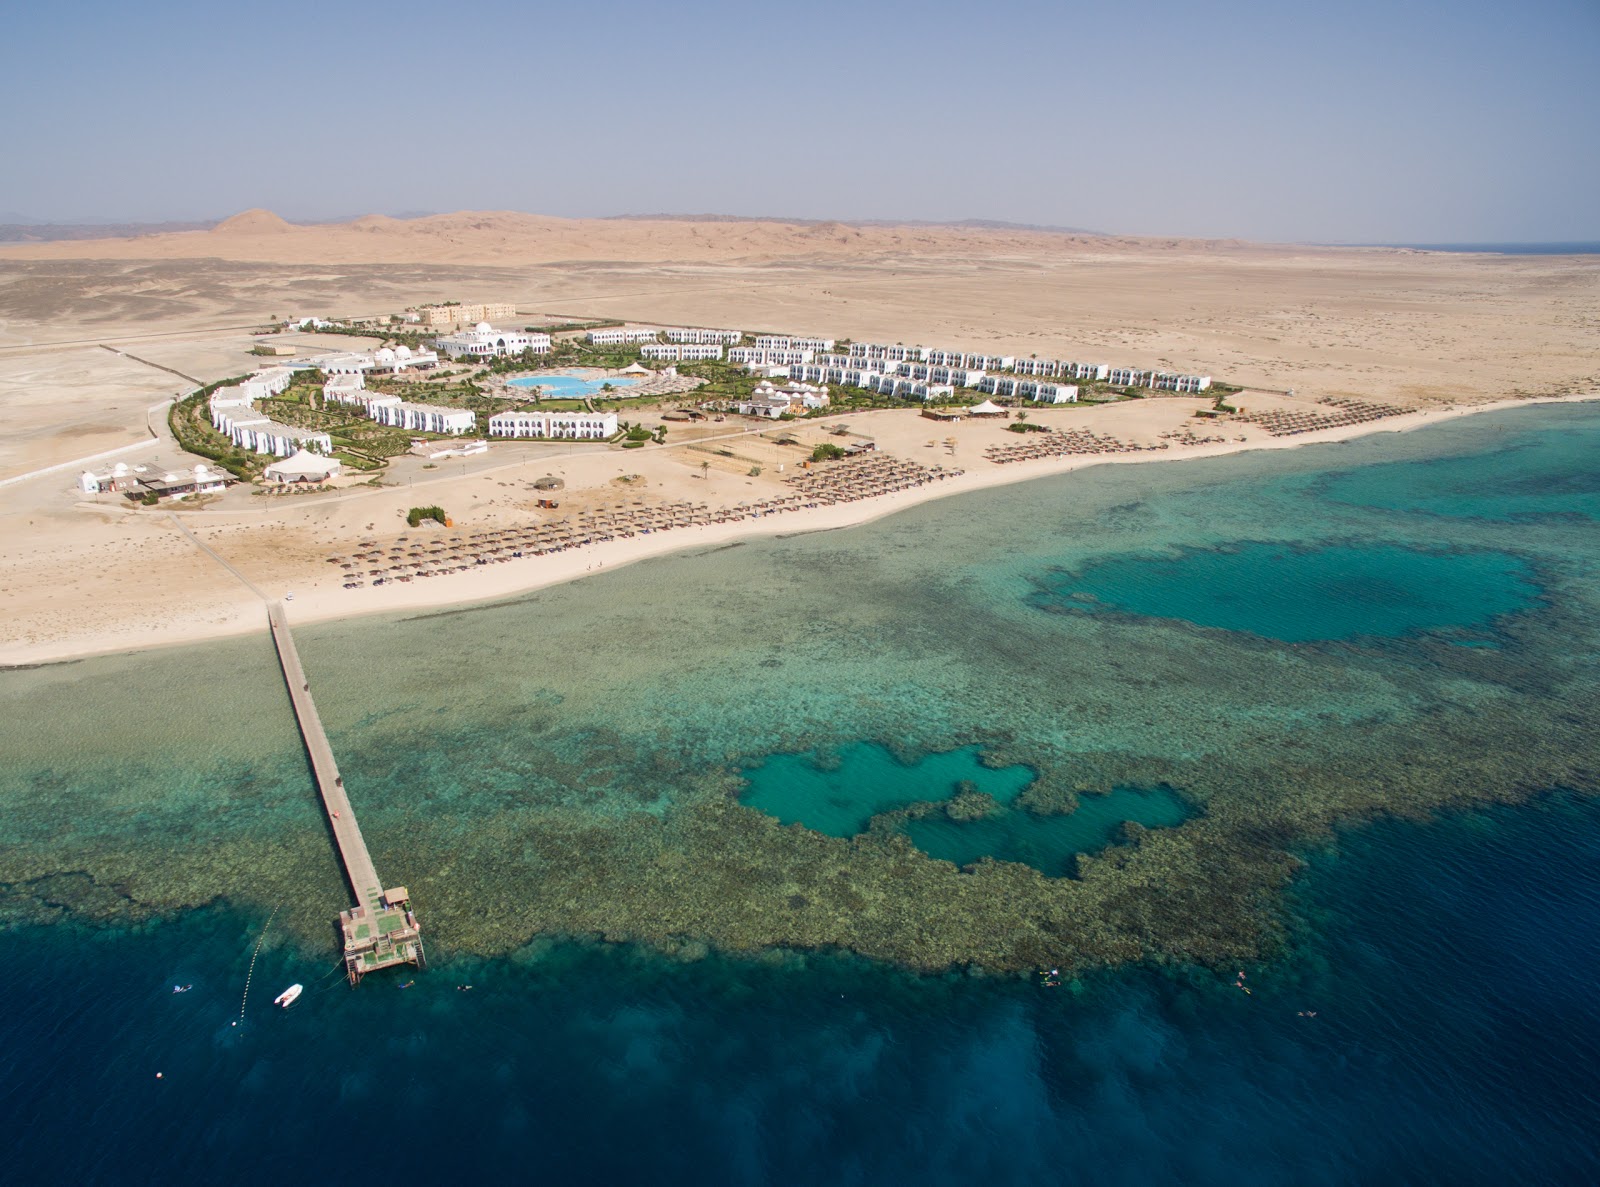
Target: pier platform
(380,930)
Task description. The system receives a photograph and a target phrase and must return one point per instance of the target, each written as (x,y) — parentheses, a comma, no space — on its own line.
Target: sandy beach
(96,334)
(58,615)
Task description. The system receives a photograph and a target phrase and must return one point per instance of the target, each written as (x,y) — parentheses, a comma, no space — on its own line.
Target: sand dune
(498,237)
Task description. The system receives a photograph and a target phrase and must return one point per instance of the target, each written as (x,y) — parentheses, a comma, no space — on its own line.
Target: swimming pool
(571,387)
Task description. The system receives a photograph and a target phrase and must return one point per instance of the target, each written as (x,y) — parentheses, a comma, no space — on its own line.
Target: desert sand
(94,335)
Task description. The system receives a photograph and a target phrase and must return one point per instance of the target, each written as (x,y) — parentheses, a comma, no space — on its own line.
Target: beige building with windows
(457,315)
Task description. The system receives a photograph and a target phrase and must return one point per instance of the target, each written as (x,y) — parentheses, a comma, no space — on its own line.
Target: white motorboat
(289,996)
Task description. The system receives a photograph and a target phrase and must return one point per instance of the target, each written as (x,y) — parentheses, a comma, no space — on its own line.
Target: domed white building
(485,342)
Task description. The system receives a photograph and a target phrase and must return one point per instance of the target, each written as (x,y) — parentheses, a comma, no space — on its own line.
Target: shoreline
(498,584)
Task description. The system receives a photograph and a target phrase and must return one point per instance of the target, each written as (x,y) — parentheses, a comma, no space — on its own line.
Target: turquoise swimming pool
(570,387)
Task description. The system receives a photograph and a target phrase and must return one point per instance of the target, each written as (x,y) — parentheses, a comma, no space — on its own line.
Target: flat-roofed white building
(341,389)
(561,426)
(1170,382)
(424,418)
(891,354)
(483,341)
(1043,391)
(786,342)
(622,335)
(684,352)
(761,356)
(1129,377)
(691,336)
(261,435)
(264,384)
(955,376)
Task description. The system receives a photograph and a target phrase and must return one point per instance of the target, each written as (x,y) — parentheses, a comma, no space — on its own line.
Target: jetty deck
(380,930)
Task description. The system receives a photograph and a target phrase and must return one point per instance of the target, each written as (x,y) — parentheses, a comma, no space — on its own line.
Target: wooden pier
(380,930)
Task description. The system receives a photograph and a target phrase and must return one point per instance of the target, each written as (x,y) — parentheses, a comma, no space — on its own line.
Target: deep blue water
(1452,967)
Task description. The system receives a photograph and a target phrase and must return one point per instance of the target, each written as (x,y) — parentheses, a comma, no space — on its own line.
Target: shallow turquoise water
(1303,593)
(839,794)
(565,387)
(1050,844)
(539,768)
(1526,477)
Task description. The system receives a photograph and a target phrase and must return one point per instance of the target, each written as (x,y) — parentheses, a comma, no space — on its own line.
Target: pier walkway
(381,929)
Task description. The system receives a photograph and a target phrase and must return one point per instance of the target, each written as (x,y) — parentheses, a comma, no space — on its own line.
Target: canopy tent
(987,408)
(303,466)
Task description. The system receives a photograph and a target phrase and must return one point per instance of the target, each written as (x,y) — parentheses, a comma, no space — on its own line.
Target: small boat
(289,996)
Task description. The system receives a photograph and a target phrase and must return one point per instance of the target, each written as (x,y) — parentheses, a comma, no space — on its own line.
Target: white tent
(303,467)
(987,408)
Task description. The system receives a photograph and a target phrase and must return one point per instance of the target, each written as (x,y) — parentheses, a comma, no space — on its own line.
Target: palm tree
(705,468)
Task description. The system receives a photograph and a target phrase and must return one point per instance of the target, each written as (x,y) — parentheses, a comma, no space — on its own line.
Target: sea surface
(645,818)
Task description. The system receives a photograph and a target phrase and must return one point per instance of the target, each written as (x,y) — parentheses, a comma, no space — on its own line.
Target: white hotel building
(693,337)
(782,342)
(233,412)
(680,352)
(422,418)
(762,356)
(483,341)
(559,426)
(1168,381)
(622,336)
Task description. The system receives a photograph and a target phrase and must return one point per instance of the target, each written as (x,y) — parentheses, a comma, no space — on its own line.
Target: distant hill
(967,224)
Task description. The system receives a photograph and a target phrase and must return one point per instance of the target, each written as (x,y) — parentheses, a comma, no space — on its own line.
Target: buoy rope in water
(253,956)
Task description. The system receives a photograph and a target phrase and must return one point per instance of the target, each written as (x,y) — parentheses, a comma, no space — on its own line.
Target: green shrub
(416,515)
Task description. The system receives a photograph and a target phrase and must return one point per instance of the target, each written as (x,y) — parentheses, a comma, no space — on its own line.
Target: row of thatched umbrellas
(864,477)
(407,559)
(1285,422)
(1056,443)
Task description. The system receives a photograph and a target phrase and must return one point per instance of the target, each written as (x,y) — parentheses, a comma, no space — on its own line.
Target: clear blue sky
(1368,120)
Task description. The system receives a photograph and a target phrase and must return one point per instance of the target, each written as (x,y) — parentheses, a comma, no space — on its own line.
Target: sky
(1358,121)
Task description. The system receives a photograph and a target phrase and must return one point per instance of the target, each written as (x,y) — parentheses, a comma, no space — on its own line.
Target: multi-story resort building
(863,351)
(422,418)
(483,341)
(1041,391)
(764,356)
(783,342)
(692,336)
(262,385)
(1169,381)
(622,336)
(680,352)
(435,316)
(344,388)
(949,366)
(234,414)
(561,426)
